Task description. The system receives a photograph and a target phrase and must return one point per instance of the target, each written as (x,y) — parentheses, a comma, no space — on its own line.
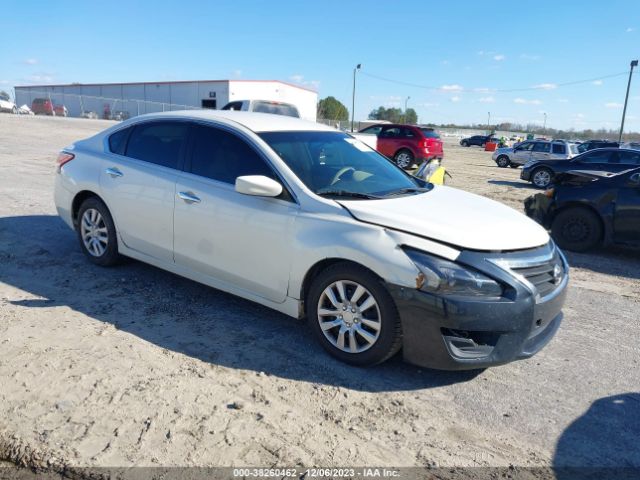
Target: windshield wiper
(346,193)
(402,191)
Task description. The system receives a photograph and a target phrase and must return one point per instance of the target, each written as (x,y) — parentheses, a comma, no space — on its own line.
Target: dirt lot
(135,366)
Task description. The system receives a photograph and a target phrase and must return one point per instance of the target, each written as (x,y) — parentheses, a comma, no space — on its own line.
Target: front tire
(353,316)
(14,110)
(97,233)
(577,229)
(404,158)
(503,161)
(541,177)
(465,144)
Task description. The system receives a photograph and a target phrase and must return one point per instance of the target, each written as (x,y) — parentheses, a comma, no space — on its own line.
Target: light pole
(544,125)
(353,97)
(405,109)
(634,63)
(489,123)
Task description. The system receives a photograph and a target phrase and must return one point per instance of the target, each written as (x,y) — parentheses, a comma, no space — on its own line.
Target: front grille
(545,276)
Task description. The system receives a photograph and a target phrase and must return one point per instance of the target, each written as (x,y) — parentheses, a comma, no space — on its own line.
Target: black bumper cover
(462,333)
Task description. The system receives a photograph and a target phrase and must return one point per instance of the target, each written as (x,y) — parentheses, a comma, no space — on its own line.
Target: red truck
(405,144)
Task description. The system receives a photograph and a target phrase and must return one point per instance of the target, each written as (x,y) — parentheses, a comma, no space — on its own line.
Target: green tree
(394,115)
(331,108)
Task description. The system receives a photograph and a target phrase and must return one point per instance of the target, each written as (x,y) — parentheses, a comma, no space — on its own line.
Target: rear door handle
(188,197)
(113,172)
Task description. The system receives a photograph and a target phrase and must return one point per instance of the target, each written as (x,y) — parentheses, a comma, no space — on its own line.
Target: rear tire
(503,161)
(97,233)
(365,314)
(404,159)
(577,229)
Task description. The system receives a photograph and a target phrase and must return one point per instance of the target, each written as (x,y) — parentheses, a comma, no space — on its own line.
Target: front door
(388,141)
(139,186)
(626,222)
(522,153)
(238,240)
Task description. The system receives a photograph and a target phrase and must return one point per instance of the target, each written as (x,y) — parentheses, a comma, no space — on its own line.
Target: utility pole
(353,97)
(489,123)
(405,109)
(634,63)
(544,125)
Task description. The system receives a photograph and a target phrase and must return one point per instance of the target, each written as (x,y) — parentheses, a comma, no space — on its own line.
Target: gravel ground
(136,366)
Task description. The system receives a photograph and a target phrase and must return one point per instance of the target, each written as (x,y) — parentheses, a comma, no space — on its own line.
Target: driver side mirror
(258,185)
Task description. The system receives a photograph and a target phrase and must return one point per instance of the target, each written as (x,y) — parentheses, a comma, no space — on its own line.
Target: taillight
(425,144)
(63,158)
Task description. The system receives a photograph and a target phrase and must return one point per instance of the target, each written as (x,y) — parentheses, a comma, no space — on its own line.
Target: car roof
(258,122)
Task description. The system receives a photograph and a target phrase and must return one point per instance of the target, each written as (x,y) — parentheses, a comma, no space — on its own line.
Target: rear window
(429,133)
(118,141)
(276,108)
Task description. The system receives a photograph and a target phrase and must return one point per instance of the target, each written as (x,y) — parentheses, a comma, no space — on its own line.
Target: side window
(375,130)
(629,158)
(527,146)
(4,96)
(542,147)
(408,133)
(158,142)
(595,157)
(392,132)
(233,106)
(223,156)
(558,148)
(118,141)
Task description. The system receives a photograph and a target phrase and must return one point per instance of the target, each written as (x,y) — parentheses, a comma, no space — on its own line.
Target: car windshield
(276,108)
(336,164)
(429,133)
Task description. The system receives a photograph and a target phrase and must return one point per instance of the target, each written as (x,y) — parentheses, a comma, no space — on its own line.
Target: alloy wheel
(94,232)
(349,316)
(542,178)
(403,160)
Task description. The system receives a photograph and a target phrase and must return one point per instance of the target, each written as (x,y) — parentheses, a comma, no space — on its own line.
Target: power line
(548,86)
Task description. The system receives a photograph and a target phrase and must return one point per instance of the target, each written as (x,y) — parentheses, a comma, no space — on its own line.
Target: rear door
(541,151)
(626,221)
(139,185)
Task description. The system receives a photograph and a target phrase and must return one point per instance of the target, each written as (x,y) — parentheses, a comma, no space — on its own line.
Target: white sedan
(309,221)
(6,104)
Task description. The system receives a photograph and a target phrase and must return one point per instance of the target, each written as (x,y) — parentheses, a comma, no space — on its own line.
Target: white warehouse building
(131,99)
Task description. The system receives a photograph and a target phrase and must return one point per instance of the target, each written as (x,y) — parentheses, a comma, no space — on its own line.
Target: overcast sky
(455,60)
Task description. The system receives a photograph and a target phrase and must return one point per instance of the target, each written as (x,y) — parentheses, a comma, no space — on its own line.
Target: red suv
(42,106)
(406,144)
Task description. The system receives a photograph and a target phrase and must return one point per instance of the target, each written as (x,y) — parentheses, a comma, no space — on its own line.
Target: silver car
(523,152)
(313,223)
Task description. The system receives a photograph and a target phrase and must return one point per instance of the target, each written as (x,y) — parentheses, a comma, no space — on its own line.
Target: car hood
(454,217)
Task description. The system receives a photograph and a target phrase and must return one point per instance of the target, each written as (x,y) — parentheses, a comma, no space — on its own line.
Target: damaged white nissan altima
(309,221)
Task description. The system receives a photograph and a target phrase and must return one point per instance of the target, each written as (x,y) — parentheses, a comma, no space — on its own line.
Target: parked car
(6,104)
(586,209)
(542,172)
(42,106)
(478,140)
(406,144)
(533,150)
(61,110)
(121,115)
(304,219)
(631,145)
(25,110)
(592,144)
(264,106)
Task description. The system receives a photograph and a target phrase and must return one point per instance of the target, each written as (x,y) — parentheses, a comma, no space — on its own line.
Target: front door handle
(188,197)
(113,172)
